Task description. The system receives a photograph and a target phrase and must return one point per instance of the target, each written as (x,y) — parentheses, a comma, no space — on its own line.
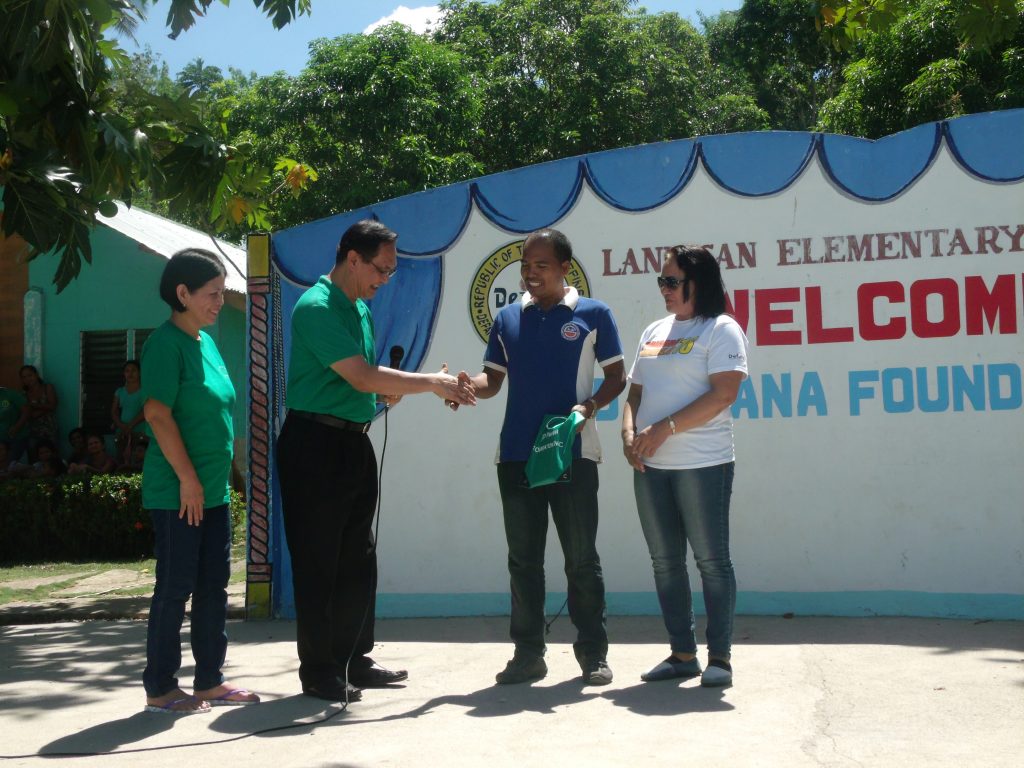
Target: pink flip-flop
(225,700)
(169,707)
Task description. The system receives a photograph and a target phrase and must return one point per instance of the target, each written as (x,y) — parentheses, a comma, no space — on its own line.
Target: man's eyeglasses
(384,272)
(670,282)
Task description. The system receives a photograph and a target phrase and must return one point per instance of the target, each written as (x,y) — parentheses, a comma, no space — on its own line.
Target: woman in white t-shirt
(677,435)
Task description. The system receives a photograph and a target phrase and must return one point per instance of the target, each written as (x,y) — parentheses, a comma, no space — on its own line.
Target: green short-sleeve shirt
(131,404)
(188,376)
(11,403)
(328,327)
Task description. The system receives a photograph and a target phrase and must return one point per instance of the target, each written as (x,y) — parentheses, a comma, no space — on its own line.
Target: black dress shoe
(375,676)
(333,689)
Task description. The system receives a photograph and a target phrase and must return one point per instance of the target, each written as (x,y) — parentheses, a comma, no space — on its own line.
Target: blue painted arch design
(990,146)
(875,171)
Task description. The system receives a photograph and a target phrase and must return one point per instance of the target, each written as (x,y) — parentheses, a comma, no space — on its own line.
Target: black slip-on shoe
(333,689)
(375,676)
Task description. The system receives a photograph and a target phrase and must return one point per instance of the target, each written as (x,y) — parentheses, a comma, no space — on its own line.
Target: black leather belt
(332,421)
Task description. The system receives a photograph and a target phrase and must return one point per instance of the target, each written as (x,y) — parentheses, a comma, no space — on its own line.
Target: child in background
(136,456)
(76,439)
(98,462)
(47,463)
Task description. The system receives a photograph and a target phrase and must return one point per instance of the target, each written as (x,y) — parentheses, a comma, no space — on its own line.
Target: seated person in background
(76,439)
(136,456)
(98,461)
(9,466)
(47,463)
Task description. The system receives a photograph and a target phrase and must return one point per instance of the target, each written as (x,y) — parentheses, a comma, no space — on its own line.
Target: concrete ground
(808,692)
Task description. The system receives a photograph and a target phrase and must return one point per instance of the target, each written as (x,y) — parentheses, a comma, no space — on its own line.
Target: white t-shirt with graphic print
(673,362)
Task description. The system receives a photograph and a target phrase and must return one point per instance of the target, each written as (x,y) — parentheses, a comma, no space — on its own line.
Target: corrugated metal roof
(165,238)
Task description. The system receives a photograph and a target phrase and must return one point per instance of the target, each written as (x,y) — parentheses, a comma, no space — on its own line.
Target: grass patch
(79,571)
(74,571)
(8,595)
(43,570)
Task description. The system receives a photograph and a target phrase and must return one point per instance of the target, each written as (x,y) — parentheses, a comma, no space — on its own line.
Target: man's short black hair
(191,267)
(697,264)
(365,238)
(561,244)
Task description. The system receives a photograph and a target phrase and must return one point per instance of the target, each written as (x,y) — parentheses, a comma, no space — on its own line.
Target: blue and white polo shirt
(548,359)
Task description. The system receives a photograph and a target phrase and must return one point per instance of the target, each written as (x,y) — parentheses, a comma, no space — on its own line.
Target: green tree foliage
(981,24)
(197,78)
(144,70)
(182,13)
(918,70)
(772,47)
(378,115)
(71,142)
(500,84)
(564,77)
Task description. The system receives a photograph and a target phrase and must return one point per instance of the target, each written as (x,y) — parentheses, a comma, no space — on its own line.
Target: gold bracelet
(593,406)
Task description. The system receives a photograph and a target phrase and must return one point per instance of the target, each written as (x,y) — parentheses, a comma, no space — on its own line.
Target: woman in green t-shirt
(188,399)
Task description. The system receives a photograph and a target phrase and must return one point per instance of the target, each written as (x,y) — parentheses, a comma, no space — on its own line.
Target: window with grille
(104,354)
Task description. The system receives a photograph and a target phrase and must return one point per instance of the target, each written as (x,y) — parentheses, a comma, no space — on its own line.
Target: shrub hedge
(81,519)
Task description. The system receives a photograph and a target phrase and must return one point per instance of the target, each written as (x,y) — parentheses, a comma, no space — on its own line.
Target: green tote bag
(551,458)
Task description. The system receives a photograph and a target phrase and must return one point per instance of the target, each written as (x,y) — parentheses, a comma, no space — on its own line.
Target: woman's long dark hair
(697,264)
(35,371)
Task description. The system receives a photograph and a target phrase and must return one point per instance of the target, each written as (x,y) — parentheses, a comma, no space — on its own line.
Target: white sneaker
(717,674)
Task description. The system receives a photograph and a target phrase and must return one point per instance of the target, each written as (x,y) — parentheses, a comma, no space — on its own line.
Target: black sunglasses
(670,282)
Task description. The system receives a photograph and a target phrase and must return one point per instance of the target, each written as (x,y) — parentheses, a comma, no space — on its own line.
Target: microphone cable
(272,729)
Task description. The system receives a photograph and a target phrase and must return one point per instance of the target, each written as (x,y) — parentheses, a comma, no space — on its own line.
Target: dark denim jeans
(677,506)
(574,510)
(190,560)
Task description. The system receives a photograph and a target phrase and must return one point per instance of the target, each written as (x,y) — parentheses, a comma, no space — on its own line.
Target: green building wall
(118,291)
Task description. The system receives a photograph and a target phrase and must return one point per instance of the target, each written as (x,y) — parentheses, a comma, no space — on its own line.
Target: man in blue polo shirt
(547,346)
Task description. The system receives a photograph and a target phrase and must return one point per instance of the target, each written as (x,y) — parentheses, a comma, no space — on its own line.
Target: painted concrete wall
(118,291)
(879,435)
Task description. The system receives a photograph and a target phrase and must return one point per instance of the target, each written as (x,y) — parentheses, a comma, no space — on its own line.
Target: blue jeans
(574,510)
(677,506)
(190,560)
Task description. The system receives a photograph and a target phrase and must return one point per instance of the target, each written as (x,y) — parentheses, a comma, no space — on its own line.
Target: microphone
(397,353)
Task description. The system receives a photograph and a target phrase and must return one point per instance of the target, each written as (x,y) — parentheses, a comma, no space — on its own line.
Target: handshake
(465,390)
(455,390)
(391,384)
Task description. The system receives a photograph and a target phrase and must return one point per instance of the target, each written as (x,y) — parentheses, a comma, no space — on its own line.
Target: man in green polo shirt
(327,468)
